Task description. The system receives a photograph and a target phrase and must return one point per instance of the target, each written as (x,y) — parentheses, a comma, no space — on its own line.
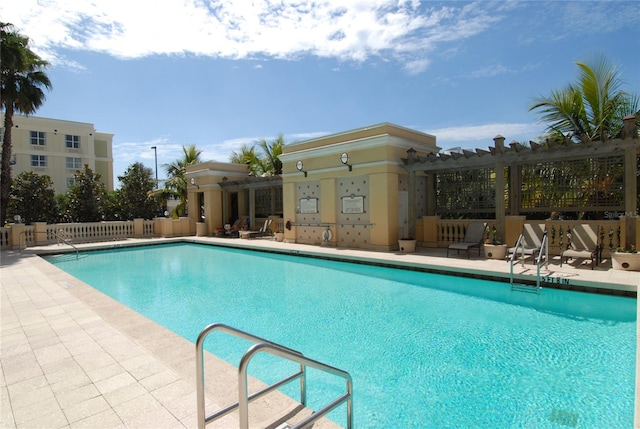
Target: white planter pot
(279,236)
(495,251)
(625,261)
(407,246)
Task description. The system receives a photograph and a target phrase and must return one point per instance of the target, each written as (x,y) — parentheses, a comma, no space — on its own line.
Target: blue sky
(218,74)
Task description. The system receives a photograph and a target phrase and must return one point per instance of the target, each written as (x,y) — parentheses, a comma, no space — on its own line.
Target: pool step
(521,287)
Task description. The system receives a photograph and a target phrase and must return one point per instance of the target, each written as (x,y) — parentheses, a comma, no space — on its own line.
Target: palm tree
(272,152)
(247,155)
(22,82)
(591,108)
(267,162)
(176,184)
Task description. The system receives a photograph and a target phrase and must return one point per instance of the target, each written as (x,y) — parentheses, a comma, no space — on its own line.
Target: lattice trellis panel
(263,201)
(466,191)
(589,184)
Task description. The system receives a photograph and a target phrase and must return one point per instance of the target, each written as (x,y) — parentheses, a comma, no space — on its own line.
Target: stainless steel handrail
(545,247)
(65,241)
(276,350)
(519,244)
(544,250)
(203,420)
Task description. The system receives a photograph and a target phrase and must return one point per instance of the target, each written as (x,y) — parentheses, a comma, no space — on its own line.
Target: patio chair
(530,240)
(263,231)
(584,243)
(233,231)
(473,237)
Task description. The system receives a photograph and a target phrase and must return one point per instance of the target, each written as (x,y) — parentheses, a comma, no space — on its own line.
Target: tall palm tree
(247,155)
(176,184)
(22,85)
(592,108)
(266,162)
(271,152)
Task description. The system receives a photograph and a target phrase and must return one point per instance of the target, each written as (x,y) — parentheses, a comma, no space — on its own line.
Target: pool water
(424,350)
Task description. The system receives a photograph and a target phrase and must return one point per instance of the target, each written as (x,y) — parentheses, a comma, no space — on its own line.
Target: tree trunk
(5,168)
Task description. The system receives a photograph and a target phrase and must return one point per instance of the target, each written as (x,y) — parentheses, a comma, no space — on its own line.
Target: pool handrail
(273,348)
(283,352)
(64,240)
(544,252)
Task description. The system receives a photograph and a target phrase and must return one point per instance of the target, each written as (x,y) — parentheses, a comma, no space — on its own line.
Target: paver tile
(87,408)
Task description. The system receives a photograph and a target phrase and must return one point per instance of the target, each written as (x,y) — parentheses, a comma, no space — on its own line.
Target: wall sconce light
(344,158)
(193,182)
(55,131)
(300,167)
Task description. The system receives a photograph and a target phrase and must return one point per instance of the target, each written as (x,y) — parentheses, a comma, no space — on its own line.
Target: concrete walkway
(72,357)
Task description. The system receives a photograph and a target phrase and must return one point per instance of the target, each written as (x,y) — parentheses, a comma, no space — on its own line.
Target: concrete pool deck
(72,357)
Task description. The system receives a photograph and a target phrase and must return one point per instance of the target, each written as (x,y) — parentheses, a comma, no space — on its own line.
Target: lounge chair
(530,240)
(263,231)
(473,237)
(233,231)
(584,243)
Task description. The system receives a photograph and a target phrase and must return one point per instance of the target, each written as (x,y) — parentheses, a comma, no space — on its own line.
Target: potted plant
(407,244)
(494,249)
(626,258)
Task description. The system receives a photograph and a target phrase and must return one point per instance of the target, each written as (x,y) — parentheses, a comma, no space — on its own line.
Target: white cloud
(490,71)
(458,136)
(352,31)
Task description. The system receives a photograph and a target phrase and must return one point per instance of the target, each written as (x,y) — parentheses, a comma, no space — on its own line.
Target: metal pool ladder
(544,252)
(262,345)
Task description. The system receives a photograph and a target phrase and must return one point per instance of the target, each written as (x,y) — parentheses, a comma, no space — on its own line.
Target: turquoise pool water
(424,350)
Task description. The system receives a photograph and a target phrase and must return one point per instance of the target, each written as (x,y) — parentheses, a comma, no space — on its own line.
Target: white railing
(91,231)
(43,234)
(610,232)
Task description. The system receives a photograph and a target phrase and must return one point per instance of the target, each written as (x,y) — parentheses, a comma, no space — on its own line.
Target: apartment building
(59,148)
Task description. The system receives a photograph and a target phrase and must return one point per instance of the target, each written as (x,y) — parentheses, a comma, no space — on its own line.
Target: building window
(71,182)
(38,161)
(72,142)
(74,163)
(38,138)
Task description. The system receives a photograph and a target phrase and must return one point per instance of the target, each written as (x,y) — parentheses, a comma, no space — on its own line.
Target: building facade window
(74,163)
(38,161)
(71,182)
(72,142)
(38,138)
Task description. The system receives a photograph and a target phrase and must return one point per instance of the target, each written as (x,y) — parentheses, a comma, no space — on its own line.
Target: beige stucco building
(59,148)
(347,189)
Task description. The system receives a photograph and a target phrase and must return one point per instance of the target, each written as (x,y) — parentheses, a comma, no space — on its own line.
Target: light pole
(155,153)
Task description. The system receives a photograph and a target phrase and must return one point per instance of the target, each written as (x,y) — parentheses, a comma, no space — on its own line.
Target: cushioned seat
(584,243)
(473,237)
(530,240)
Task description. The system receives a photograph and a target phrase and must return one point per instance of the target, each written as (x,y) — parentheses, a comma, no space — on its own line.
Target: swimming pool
(424,350)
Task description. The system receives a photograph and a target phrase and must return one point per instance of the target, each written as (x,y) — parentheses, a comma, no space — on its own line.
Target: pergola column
(411,188)
(225,206)
(431,194)
(630,178)
(515,189)
(252,208)
(499,194)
